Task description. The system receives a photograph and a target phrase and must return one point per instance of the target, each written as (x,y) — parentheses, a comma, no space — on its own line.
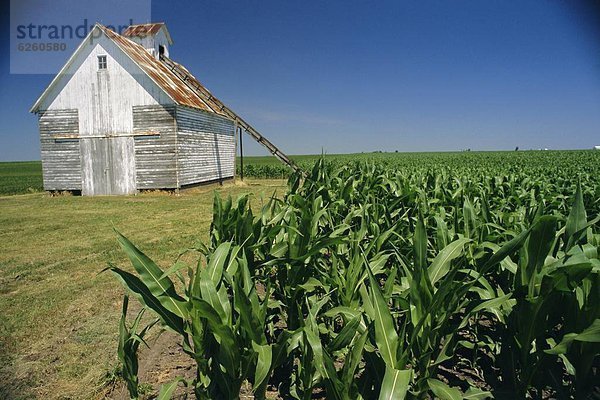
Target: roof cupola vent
(153,37)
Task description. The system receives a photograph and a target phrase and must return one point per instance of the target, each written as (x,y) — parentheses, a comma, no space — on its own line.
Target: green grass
(20,177)
(58,315)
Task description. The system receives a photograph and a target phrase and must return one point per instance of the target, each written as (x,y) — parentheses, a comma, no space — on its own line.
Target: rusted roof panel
(160,74)
(215,105)
(143,29)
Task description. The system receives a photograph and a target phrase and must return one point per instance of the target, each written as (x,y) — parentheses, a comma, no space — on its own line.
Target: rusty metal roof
(175,88)
(142,30)
(214,105)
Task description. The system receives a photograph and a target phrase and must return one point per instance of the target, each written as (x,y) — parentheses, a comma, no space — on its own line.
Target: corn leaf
(167,390)
(152,276)
(248,316)
(443,391)
(590,334)
(506,250)
(217,261)
(577,219)
(354,358)
(395,384)
(210,295)
(441,263)
(143,294)
(263,363)
(540,244)
(346,335)
(222,332)
(420,245)
(474,393)
(385,332)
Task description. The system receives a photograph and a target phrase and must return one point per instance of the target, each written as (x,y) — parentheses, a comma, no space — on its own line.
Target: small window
(101,62)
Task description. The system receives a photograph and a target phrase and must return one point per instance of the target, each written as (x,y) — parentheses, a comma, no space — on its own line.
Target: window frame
(102,62)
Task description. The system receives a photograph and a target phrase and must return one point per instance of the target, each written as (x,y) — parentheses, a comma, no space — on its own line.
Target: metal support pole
(241,156)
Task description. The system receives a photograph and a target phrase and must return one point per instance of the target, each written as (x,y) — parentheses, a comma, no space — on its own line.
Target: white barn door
(108,166)
(108,156)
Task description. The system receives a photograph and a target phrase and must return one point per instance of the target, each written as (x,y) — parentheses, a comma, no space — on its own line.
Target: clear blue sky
(354,76)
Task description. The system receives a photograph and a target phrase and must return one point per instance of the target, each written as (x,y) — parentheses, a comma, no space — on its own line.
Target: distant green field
(270,167)
(26,177)
(20,177)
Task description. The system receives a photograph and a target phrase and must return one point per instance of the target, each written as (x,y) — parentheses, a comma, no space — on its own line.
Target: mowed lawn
(58,313)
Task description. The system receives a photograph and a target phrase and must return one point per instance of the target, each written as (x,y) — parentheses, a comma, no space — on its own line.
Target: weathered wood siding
(155,155)
(105,100)
(123,85)
(206,146)
(61,159)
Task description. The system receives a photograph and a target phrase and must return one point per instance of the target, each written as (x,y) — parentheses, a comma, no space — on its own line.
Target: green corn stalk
(220,318)
(371,268)
(542,286)
(129,342)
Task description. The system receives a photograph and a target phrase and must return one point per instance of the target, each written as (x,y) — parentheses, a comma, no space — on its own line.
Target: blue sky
(358,76)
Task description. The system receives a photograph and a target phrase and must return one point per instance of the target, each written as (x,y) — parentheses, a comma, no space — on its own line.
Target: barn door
(108,166)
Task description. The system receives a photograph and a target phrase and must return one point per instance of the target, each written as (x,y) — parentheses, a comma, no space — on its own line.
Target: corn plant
(387,280)
(542,285)
(129,342)
(219,318)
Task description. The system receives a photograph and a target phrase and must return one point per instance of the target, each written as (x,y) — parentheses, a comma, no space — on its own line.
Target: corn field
(461,163)
(369,280)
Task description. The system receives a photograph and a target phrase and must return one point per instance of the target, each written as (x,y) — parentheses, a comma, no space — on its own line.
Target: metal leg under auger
(241,155)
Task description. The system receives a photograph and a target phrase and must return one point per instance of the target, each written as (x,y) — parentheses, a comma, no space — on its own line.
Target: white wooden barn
(120,116)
